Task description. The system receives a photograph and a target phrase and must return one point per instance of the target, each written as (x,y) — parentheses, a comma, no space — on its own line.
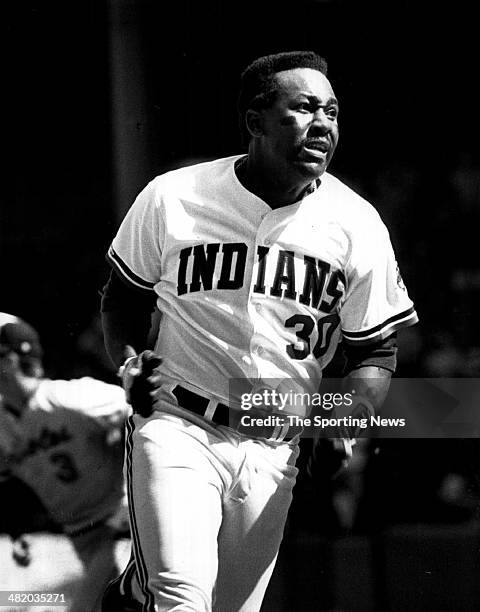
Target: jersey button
(267,241)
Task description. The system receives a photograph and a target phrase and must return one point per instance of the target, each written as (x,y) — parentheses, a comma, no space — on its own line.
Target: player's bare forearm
(370,382)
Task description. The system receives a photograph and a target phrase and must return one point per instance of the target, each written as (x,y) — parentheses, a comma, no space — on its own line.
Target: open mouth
(316,149)
(317,145)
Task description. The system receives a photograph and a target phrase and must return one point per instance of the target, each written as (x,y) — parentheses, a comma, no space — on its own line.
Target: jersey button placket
(255,306)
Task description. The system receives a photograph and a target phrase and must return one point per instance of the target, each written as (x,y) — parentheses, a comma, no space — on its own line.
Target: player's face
(300,130)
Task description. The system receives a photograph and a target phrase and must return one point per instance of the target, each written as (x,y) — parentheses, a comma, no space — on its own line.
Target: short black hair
(257,82)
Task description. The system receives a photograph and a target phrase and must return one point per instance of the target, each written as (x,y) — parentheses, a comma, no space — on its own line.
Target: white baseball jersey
(247,291)
(67,446)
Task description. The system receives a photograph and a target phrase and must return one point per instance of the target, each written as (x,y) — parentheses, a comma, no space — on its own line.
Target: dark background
(406,76)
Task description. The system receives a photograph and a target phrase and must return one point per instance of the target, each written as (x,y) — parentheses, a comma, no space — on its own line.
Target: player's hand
(333,442)
(347,421)
(140,380)
(330,456)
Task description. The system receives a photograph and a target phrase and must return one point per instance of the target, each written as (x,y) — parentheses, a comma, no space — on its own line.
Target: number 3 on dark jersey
(326,326)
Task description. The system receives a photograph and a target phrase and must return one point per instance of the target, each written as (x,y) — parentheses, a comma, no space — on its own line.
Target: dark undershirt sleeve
(117,295)
(382,354)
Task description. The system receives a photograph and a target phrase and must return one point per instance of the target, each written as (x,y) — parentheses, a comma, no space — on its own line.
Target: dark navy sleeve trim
(383,330)
(124,271)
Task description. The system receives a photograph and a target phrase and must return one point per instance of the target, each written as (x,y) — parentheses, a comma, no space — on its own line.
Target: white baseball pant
(208,508)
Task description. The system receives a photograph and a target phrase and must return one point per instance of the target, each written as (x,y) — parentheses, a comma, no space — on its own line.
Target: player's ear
(254,122)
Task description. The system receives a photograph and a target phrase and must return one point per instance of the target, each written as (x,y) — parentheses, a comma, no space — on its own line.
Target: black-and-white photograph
(239,334)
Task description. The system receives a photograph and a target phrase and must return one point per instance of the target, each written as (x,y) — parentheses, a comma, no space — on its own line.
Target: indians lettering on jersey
(308,280)
(248,290)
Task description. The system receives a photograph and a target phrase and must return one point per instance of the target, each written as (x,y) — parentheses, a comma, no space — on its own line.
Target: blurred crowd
(433,220)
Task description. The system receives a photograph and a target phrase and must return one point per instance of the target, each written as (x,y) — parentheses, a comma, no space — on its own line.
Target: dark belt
(224,415)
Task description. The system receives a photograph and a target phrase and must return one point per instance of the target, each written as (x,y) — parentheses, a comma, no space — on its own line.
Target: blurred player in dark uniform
(64,440)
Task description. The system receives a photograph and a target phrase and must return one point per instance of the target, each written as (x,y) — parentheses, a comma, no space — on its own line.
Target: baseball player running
(64,439)
(259,264)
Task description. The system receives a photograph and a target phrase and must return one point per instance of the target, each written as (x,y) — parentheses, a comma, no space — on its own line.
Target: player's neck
(269,187)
